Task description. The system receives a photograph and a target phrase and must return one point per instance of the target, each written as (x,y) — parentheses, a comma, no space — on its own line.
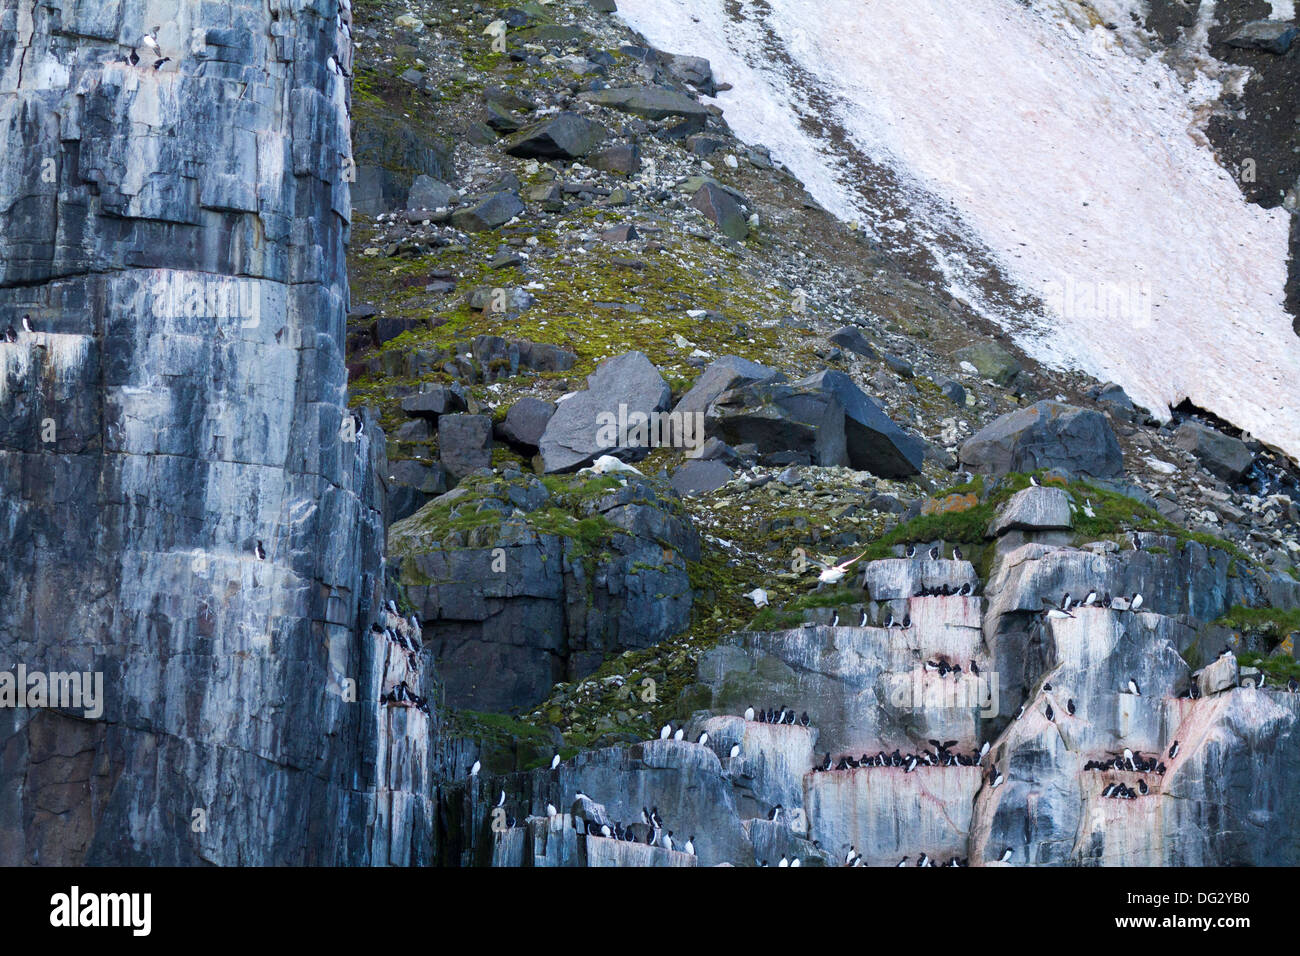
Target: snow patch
(1066,155)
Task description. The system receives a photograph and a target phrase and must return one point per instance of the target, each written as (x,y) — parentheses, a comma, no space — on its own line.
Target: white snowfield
(1028,143)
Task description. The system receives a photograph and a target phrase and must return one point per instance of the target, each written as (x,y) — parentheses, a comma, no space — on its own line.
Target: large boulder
(428,193)
(651,102)
(722,209)
(1221,454)
(1033,509)
(728,372)
(464,443)
(990,361)
(1270,36)
(1046,435)
(587,424)
(565,136)
(526,421)
(785,422)
(491,211)
(872,440)
(823,419)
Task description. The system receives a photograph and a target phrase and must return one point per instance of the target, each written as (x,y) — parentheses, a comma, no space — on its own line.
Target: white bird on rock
(608,465)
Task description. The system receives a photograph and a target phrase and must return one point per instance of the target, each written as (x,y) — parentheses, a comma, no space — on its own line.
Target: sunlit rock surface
(177,236)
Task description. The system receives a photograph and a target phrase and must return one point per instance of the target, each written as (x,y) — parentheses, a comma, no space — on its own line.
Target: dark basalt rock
(566,136)
(1046,435)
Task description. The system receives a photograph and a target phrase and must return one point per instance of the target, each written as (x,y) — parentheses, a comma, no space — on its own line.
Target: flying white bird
(833,573)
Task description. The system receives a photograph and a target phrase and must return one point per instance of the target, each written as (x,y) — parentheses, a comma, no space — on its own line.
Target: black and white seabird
(1006,855)
(735,751)
(473,771)
(131,58)
(1173,751)
(934,553)
(1069,706)
(749,713)
(555,761)
(10,335)
(157,64)
(902,862)
(150,40)
(1033,481)
(1019,712)
(1133,687)
(501,800)
(1049,714)
(775,814)
(550,810)
(665,731)
(27,323)
(956,553)
(911,551)
(1135,601)
(680,734)
(1143,788)
(260,551)
(690,845)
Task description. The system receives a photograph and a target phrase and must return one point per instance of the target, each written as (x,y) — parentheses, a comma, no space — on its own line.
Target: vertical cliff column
(177,236)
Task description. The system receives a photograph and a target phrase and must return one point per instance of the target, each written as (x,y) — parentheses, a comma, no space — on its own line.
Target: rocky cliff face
(980,730)
(188,506)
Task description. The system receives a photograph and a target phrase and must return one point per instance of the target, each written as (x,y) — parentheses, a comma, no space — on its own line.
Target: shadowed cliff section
(177,235)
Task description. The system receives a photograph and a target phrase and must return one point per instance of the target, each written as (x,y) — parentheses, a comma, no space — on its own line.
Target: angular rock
(526,421)
(411,485)
(488,213)
(850,337)
(564,136)
(586,425)
(434,400)
(698,477)
(1034,509)
(622,158)
(781,419)
(427,193)
(723,374)
(1221,454)
(872,441)
(1223,673)
(722,209)
(991,361)
(1046,435)
(1270,36)
(650,102)
(464,444)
